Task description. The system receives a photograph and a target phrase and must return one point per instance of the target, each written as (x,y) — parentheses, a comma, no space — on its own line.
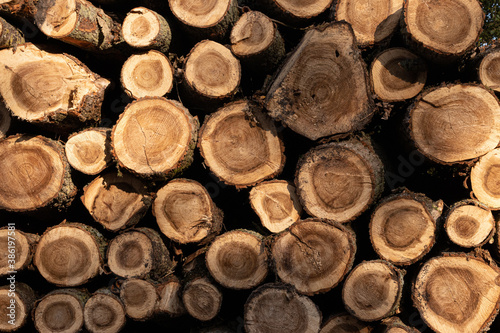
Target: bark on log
(116,202)
(35,174)
(170,293)
(395,325)
(485,179)
(202,298)
(104,312)
(185,212)
(295,13)
(89,151)
(24,297)
(274,308)
(50,89)
(5,120)
(9,35)
(345,323)
(313,255)
(140,299)
(19,8)
(146,29)
(22,244)
(489,69)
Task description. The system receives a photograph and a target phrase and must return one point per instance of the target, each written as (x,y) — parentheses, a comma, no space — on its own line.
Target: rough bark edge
(162,40)
(28,297)
(10,35)
(106,131)
(23,9)
(107,292)
(395,322)
(32,240)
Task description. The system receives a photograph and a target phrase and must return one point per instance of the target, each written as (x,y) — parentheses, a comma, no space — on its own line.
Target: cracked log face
(59,312)
(457,293)
(57,18)
(104,313)
(489,70)
(88,151)
(202,299)
(469,118)
(146,29)
(313,255)
(345,323)
(253,33)
(139,298)
(485,179)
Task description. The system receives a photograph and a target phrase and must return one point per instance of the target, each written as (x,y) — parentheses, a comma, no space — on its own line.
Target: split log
(18,250)
(89,151)
(395,325)
(50,89)
(155,138)
(322,88)
(70,254)
(15,315)
(295,13)
(240,145)
(139,253)
(116,201)
(139,298)
(468,115)
(345,323)
(170,293)
(458,292)
(313,255)
(5,120)
(373,290)
(339,180)
(146,29)
(104,312)
(396,75)
(489,69)
(185,212)
(202,298)
(485,179)
(9,35)
(469,223)
(372,22)
(403,227)
(274,308)
(276,204)
(35,174)
(147,74)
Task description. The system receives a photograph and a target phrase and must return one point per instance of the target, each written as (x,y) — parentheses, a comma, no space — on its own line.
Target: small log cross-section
(89,151)
(276,308)
(294,12)
(104,312)
(345,323)
(24,245)
(185,213)
(9,35)
(485,179)
(240,144)
(458,292)
(202,299)
(15,317)
(322,88)
(146,29)
(489,70)
(313,255)
(170,293)
(139,298)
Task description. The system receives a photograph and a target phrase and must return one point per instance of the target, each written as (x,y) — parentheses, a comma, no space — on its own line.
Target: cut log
(104,312)
(185,212)
(256,41)
(485,179)
(468,115)
(442,30)
(489,70)
(240,145)
(139,253)
(140,299)
(9,35)
(89,151)
(116,201)
(23,9)
(61,311)
(15,307)
(313,255)
(155,138)
(170,293)
(395,325)
(469,223)
(5,120)
(35,174)
(50,89)
(19,248)
(403,227)
(372,22)
(202,299)
(237,259)
(296,13)
(373,290)
(396,75)
(276,204)
(78,22)
(70,254)
(339,180)
(275,308)
(322,89)
(457,293)
(146,29)
(345,323)
(210,19)
(147,74)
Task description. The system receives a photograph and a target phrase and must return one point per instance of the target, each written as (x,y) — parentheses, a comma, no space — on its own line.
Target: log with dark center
(9,35)
(485,179)
(89,151)
(345,323)
(146,29)
(21,244)
(140,299)
(202,298)
(104,312)
(489,70)
(15,315)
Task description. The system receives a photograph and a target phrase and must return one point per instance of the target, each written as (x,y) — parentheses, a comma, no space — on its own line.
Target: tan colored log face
(489,70)
(59,18)
(22,253)
(130,255)
(59,313)
(21,311)
(345,323)
(485,179)
(304,9)
(470,225)
(104,313)
(89,151)
(141,27)
(202,299)
(139,298)
(253,33)
(199,13)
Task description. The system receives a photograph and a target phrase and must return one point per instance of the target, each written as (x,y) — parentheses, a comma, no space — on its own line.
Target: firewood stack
(258,166)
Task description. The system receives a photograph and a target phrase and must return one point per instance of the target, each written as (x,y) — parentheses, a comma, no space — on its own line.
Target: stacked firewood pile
(251,166)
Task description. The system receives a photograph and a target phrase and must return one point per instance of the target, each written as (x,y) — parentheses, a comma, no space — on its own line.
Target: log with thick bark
(403,227)
(468,117)
(116,201)
(237,259)
(185,212)
(469,223)
(345,323)
(140,299)
(485,179)
(458,292)
(9,35)
(395,325)
(396,74)
(240,144)
(313,255)
(17,315)
(373,290)
(276,204)
(295,13)
(18,249)
(104,312)
(489,69)
(339,180)
(70,254)
(89,151)
(275,308)
(170,293)
(50,89)
(442,30)
(139,253)
(5,120)
(322,88)
(35,174)
(25,9)
(202,298)
(155,138)
(373,21)
(147,74)
(146,29)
